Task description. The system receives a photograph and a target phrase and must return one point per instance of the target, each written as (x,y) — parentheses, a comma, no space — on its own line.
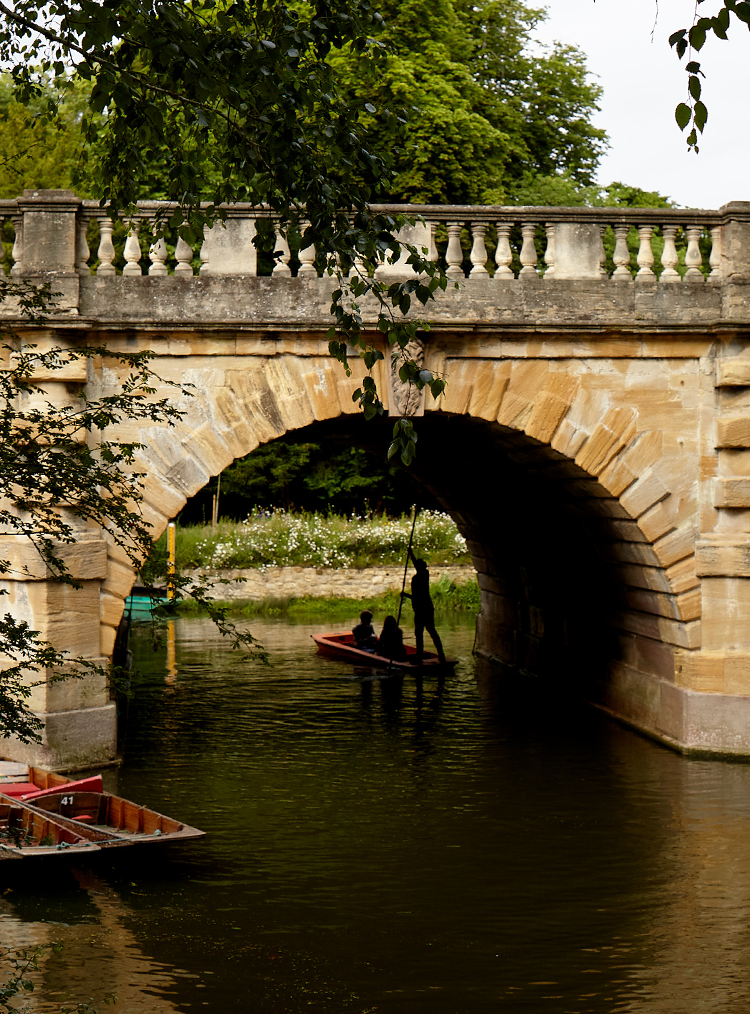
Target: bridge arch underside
(571,588)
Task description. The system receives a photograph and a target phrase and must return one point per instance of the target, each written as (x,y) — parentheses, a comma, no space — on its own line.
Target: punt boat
(22,782)
(25,832)
(109,821)
(342,646)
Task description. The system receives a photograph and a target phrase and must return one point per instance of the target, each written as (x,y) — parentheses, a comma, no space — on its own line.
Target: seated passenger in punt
(391,641)
(364,632)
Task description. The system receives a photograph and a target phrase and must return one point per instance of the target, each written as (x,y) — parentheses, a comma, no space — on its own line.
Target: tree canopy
(490,108)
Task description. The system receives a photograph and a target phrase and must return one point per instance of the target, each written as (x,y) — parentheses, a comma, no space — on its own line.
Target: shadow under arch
(571,588)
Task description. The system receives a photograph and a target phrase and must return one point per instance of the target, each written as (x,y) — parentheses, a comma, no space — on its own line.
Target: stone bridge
(593,443)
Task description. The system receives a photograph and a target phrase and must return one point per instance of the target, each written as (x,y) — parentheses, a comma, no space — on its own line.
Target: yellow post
(171,557)
(171,653)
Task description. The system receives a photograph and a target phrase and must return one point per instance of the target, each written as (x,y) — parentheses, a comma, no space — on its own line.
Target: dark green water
(374,846)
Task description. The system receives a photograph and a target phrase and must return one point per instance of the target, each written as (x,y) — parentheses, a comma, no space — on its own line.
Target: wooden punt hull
(25,832)
(23,782)
(111,821)
(341,646)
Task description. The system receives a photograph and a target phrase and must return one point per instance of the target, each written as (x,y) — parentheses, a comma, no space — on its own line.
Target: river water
(471,845)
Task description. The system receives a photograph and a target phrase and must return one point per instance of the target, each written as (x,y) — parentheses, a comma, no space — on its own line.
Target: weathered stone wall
(318,582)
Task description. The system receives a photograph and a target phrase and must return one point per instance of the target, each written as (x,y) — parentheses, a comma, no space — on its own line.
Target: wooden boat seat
(18,788)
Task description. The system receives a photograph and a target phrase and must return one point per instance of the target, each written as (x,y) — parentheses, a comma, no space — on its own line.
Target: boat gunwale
(372,660)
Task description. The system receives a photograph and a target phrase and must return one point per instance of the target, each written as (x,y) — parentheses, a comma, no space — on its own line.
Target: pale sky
(643,81)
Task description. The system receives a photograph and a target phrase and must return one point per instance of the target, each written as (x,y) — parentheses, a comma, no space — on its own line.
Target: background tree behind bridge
(490,108)
(486,112)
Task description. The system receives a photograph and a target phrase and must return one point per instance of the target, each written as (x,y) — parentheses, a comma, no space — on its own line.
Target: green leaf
(697,37)
(675,37)
(700,115)
(683,115)
(694,87)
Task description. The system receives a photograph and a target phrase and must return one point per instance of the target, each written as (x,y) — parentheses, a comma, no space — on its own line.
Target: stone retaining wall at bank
(318,582)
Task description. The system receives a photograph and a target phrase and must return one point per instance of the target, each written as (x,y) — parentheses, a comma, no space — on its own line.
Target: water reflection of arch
(579,513)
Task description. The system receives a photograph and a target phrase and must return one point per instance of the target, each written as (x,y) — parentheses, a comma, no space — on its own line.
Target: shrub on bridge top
(279,539)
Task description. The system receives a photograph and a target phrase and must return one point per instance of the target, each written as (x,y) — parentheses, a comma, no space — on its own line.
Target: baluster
(82,247)
(157,254)
(454,255)
(432,253)
(715,259)
(528,251)
(669,256)
(478,249)
(602,253)
(17,252)
(204,269)
(132,252)
(282,264)
(645,253)
(106,251)
(549,253)
(307,255)
(693,257)
(622,254)
(503,254)
(183,255)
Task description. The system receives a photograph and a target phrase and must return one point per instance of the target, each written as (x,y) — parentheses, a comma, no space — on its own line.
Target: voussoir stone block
(643,494)
(546,416)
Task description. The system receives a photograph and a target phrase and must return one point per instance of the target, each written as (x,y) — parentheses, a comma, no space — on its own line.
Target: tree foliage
(38,152)
(488,107)
(61,472)
(305,476)
(240,102)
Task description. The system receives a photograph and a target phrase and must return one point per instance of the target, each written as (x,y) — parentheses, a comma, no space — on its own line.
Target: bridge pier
(78,717)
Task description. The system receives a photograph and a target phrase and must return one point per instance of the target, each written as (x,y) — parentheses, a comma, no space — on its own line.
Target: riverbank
(330,591)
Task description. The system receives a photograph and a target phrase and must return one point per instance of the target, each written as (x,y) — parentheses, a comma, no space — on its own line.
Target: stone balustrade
(549,265)
(572,240)
(524,242)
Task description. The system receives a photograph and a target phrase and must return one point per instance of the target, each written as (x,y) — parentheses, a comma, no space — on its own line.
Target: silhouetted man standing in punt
(424,611)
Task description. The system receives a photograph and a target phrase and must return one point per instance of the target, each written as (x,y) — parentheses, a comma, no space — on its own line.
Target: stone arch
(615,453)
(600,448)
(233,409)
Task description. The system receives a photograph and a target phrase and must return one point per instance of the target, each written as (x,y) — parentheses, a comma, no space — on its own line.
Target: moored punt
(109,820)
(25,832)
(22,782)
(342,646)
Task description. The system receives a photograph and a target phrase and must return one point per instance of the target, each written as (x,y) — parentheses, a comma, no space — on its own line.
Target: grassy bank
(314,540)
(446,595)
